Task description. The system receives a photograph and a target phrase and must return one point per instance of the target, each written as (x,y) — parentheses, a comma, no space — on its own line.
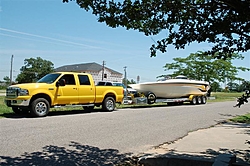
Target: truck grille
(12,92)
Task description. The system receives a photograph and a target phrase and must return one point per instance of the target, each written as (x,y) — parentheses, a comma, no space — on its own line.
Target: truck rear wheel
(39,107)
(108,104)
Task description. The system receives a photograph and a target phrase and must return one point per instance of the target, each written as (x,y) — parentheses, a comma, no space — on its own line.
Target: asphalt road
(61,139)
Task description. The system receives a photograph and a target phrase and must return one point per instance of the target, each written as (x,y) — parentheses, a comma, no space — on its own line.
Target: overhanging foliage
(224,23)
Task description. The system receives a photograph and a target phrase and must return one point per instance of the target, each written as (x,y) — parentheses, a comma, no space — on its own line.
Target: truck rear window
(84,80)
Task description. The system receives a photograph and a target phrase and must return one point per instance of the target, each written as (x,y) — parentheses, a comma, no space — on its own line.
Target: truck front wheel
(108,104)
(39,107)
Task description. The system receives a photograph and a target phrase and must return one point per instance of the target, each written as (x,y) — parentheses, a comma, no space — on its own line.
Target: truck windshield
(49,78)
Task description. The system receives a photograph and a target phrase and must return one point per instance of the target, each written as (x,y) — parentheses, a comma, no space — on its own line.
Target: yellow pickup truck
(61,89)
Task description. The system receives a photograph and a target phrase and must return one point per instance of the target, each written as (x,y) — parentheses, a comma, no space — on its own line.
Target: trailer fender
(191,97)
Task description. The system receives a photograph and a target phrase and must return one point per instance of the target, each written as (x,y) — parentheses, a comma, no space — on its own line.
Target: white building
(98,72)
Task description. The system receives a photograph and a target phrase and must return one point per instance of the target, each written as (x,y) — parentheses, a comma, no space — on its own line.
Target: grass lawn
(2,91)
(242,119)
(222,96)
(3,108)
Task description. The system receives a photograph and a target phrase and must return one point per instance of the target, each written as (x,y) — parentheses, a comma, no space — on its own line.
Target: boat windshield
(181,77)
(49,78)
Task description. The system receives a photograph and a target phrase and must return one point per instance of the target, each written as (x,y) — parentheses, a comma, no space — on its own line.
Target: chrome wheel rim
(194,100)
(203,99)
(151,98)
(199,100)
(41,108)
(110,105)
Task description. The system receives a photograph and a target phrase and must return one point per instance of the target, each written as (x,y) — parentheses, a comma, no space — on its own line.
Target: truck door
(86,90)
(67,94)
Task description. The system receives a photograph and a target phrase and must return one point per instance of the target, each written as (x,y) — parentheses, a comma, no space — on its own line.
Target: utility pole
(103,63)
(125,81)
(11,64)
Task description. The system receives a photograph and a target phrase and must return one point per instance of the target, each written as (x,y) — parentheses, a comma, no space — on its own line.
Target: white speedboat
(173,88)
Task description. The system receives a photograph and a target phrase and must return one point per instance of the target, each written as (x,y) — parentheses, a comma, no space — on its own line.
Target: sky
(65,34)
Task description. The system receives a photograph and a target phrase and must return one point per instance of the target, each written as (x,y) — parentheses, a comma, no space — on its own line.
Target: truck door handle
(74,88)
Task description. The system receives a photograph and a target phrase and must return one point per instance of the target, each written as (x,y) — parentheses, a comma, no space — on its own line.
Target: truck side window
(84,80)
(69,79)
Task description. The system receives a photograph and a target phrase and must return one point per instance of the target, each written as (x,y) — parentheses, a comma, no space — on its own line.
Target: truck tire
(39,107)
(108,104)
(151,97)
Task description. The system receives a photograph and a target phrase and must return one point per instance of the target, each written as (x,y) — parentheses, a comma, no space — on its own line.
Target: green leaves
(202,66)
(224,23)
(34,69)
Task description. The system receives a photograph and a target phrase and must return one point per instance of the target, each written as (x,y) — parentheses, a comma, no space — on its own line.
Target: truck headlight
(23,92)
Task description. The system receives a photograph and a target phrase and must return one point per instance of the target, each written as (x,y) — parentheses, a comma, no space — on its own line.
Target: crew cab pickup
(61,89)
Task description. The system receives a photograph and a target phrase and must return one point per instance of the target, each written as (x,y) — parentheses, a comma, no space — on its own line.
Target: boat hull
(173,88)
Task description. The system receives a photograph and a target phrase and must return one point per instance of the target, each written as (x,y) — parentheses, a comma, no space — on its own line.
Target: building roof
(84,67)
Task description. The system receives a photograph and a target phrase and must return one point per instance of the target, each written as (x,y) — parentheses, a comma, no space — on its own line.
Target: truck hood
(30,85)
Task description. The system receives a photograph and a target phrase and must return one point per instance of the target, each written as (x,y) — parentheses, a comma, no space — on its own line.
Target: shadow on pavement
(53,113)
(201,157)
(174,158)
(242,156)
(76,154)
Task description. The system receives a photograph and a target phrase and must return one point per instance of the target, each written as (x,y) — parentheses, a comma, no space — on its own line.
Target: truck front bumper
(17,102)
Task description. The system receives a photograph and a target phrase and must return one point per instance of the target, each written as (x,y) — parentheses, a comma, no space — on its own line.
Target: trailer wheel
(151,97)
(194,100)
(199,100)
(108,104)
(203,99)
(39,107)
